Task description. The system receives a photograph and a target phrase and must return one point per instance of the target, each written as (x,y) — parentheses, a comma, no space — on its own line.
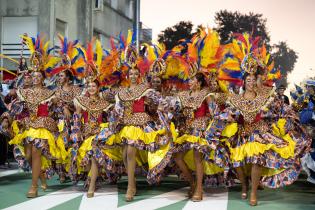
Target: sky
(292,21)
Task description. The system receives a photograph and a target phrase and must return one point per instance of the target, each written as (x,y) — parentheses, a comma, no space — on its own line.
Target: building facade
(76,19)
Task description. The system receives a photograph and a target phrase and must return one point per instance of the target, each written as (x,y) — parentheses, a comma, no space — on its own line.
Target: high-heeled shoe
(43,185)
(90,194)
(131,192)
(253,201)
(244,191)
(32,193)
(198,196)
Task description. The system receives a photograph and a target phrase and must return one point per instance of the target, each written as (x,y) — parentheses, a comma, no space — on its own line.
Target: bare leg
(125,148)
(244,181)
(179,160)
(255,176)
(28,153)
(94,175)
(36,169)
(199,176)
(131,165)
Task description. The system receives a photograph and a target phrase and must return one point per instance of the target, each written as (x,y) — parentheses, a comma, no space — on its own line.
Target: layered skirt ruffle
(43,140)
(274,150)
(214,154)
(154,149)
(103,148)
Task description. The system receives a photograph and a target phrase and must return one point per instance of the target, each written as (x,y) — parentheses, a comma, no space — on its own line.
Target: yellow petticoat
(209,168)
(38,133)
(113,153)
(18,139)
(251,149)
(134,133)
(63,154)
(155,158)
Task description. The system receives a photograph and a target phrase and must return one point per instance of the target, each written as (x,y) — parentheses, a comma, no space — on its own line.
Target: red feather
(112,43)
(89,51)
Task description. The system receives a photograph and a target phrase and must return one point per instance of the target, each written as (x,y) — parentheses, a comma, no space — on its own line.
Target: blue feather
(156,52)
(274,70)
(234,74)
(106,52)
(75,58)
(49,50)
(65,45)
(134,36)
(201,45)
(48,70)
(80,70)
(38,42)
(293,95)
(299,89)
(166,54)
(33,40)
(75,42)
(81,53)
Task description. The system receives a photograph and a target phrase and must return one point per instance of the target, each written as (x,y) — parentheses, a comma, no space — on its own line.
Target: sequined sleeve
(76,128)
(118,109)
(155,96)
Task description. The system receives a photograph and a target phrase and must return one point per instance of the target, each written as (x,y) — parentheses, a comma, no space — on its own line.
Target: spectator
(280,94)
(2,105)
(5,136)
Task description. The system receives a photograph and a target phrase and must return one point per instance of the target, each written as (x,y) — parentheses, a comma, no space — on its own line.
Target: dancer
(38,140)
(136,134)
(255,151)
(63,107)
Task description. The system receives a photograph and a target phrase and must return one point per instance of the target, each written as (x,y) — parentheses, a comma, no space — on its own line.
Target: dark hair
(42,73)
(96,82)
(201,79)
(68,74)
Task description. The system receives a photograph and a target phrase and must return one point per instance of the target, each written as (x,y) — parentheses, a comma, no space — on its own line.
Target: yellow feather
(46,46)
(52,61)
(99,52)
(129,37)
(29,43)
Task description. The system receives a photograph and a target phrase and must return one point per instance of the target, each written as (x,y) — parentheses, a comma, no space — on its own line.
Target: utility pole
(136,22)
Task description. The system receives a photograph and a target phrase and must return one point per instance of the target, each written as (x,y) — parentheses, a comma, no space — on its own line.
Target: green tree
(228,23)
(171,35)
(285,59)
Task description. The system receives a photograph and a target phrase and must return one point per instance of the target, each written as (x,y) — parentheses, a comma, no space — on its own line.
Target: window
(98,5)
(61,28)
(12,28)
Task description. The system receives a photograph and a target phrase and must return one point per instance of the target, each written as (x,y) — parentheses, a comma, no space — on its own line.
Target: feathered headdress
(93,59)
(244,54)
(41,59)
(71,59)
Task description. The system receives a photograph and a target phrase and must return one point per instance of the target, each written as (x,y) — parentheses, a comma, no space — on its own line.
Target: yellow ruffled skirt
(274,151)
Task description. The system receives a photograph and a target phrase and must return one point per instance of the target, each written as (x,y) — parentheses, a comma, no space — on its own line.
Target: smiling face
(62,78)
(250,83)
(93,88)
(133,76)
(194,84)
(156,83)
(27,80)
(37,78)
(213,85)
